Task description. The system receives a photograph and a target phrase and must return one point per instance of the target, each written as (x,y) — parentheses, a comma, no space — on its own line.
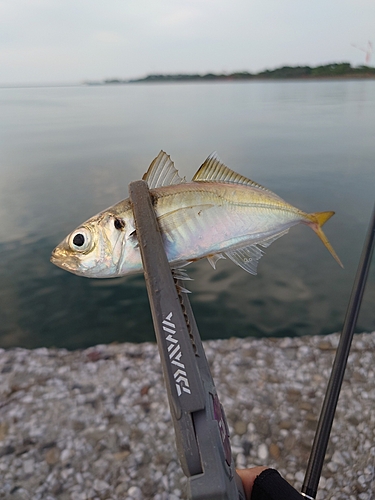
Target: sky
(46,41)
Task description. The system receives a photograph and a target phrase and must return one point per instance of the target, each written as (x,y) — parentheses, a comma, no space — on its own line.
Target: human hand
(248,477)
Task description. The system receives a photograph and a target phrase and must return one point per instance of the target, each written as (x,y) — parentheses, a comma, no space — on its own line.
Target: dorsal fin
(213,169)
(162,172)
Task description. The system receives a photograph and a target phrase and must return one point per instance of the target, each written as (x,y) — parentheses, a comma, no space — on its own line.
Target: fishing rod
(319,447)
(201,430)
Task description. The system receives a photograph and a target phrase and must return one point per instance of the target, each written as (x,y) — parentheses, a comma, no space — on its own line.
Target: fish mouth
(61,259)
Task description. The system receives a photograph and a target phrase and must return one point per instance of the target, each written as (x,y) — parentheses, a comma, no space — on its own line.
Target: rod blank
(319,447)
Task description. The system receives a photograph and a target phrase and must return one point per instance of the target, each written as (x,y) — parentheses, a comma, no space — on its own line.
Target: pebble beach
(95,423)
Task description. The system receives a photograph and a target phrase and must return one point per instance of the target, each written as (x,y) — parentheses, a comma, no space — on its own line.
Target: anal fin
(267,242)
(246,257)
(212,259)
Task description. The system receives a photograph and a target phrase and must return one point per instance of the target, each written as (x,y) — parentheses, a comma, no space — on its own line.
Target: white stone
(65,455)
(164,481)
(65,473)
(135,492)
(28,466)
(299,476)
(337,458)
(322,483)
(79,478)
(362,479)
(332,467)
(29,398)
(78,496)
(262,452)
(100,485)
(250,428)
(241,460)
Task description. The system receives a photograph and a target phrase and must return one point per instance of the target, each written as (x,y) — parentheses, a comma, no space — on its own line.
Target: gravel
(95,424)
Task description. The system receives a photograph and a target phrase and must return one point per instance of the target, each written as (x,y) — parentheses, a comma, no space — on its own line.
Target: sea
(68,152)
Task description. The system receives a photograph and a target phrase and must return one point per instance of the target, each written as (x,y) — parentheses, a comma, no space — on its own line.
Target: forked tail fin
(317,220)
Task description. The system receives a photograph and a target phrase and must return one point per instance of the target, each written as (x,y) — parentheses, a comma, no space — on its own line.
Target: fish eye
(119,224)
(80,240)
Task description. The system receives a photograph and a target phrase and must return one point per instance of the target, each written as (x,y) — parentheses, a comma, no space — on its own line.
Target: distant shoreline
(335,71)
(330,71)
(232,80)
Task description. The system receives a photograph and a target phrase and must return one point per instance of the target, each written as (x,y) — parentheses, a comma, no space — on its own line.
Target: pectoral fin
(174,219)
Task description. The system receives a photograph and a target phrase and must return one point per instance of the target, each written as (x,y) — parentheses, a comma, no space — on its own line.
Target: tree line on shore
(335,70)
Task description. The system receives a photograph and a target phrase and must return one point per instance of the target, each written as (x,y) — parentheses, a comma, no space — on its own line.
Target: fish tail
(317,220)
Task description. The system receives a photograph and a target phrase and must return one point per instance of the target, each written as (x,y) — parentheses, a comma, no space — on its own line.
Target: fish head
(104,246)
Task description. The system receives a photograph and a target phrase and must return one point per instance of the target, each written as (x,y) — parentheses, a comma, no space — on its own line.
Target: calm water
(67,153)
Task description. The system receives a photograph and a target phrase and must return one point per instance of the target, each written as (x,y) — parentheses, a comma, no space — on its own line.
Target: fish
(219,214)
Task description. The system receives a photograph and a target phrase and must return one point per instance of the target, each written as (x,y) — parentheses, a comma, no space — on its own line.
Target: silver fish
(219,213)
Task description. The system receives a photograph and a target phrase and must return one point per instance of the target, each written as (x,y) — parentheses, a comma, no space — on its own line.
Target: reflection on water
(68,153)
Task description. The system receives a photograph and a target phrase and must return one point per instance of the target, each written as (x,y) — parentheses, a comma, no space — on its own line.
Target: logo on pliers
(175,354)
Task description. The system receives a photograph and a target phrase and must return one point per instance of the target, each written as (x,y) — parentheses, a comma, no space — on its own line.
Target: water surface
(67,153)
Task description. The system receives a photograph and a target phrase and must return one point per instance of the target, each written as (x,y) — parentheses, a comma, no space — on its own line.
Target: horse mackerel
(219,213)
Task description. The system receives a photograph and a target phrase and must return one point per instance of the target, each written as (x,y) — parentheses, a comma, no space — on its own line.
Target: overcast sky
(76,40)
